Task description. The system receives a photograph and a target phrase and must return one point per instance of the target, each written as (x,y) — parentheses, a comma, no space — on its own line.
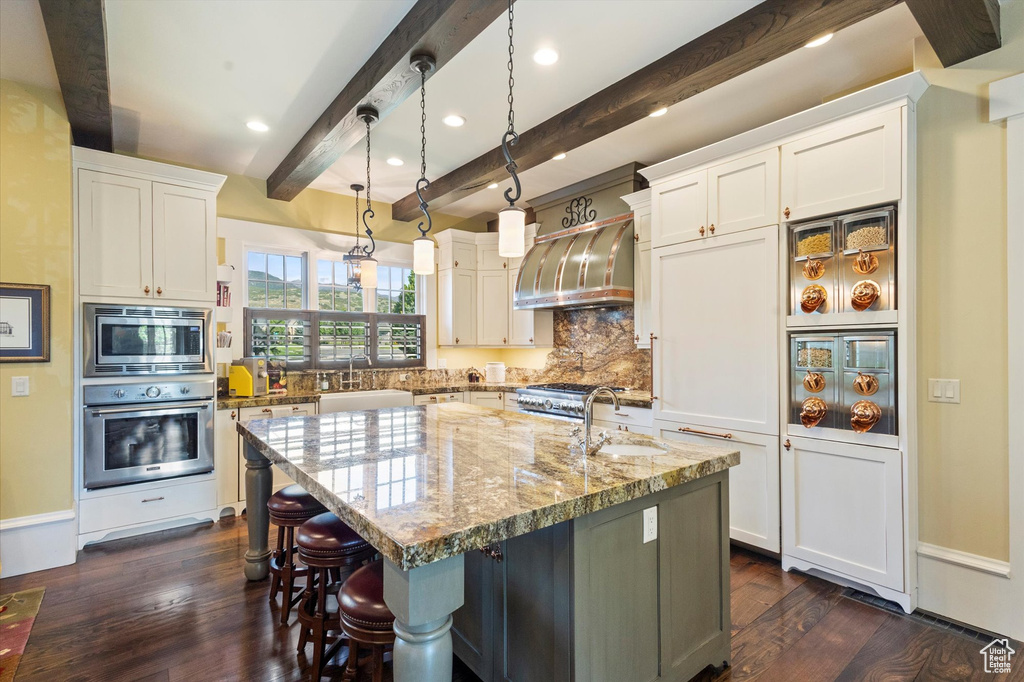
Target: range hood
(587,266)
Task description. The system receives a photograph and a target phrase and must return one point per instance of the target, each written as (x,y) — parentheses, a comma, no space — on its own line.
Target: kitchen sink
(363,400)
(630,450)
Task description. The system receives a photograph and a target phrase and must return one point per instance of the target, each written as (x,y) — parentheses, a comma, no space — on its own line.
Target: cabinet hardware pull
(787,444)
(786,212)
(456,263)
(687,429)
(232,415)
(636,237)
(267,410)
(504,265)
(295,409)
(504,339)
(531,339)
(146,290)
(711,228)
(621,414)
(701,230)
(456,339)
(493,552)
(153,499)
(433,398)
(159,291)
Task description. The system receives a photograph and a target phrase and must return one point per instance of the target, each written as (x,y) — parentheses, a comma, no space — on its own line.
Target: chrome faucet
(586,442)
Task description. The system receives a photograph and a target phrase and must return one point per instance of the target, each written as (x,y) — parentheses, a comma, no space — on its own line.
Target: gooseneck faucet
(587,443)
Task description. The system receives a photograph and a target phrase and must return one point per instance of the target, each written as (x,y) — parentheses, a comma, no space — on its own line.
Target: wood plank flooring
(175,606)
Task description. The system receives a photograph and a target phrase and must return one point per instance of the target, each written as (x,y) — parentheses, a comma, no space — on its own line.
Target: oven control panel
(117,394)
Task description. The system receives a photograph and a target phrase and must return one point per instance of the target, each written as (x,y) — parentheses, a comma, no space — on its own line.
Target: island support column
(258,480)
(423,600)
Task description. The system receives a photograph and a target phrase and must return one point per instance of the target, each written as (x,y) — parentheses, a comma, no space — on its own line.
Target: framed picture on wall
(24,322)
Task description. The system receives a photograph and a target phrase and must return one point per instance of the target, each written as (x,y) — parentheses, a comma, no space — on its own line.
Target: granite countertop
(628,398)
(426,483)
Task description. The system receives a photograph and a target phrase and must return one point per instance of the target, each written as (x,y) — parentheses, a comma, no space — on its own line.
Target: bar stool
(365,619)
(332,551)
(289,508)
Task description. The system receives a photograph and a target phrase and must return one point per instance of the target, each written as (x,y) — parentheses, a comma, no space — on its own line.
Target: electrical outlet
(944,391)
(442,363)
(404,376)
(19,387)
(650,524)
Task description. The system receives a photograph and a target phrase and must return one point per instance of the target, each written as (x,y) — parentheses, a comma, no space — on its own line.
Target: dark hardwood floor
(174,606)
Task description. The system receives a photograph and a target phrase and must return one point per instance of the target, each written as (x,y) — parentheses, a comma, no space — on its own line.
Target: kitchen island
(607,567)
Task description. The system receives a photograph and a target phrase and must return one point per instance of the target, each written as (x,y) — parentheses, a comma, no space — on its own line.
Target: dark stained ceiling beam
(958,29)
(763,33)
(438,27)
(77,35)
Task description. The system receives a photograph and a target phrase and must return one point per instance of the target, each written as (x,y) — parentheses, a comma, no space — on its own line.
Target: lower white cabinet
(281,479)
(226,462)
(842,510)
(437,398)
(753,484)
(487,399)
(147,504)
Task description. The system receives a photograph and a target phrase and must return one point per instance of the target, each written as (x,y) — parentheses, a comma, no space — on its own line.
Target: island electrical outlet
(650,524)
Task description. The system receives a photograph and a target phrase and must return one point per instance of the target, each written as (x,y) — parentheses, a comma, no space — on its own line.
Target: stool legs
(284,571)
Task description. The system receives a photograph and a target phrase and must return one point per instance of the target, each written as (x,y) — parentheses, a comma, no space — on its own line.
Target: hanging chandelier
(353,259)
(423,246)
(512,218)
(368,264)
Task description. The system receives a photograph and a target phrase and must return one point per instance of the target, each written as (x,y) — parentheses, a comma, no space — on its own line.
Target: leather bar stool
(289,508)
(366,619)
(332,551)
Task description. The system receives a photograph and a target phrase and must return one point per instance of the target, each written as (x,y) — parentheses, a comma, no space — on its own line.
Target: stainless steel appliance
(556,400)
(844,381)
(844,264)
(126,340)
(142,432)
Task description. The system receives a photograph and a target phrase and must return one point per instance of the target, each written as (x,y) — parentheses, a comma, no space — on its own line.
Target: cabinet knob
(146,290)
(636,237)
(787,444)
(531,339)
(711,228)
(637,338)
(233,415)
(786,212)
(159,291)
(504,265)
(701,230)
(456,339)
(504,339)
(456,263)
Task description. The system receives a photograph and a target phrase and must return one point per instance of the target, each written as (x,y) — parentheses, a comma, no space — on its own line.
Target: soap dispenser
(325,383)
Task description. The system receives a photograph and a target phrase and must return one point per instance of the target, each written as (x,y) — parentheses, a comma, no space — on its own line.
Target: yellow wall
(964,452)
(36,242)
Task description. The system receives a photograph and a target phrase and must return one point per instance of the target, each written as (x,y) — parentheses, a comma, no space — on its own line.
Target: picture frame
(24,322)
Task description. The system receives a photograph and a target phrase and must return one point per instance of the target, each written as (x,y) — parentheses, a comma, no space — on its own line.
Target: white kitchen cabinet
(456,307)
(529,328)
(487,257)
(184,243)
(280,479)
(129,507)
(744,193)
(715,307)
(842,510)
(226,462)
(438,399)
(115,235)
(679,210)
(847,166)
(753,484)
(487,399)
(493,305)
(640,204)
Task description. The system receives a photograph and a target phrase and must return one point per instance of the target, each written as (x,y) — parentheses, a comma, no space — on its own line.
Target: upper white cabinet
(851,165)
(493,311)
(716,324)
(744,194)
(145,229)
(679,210)
(640,204)
(456,307)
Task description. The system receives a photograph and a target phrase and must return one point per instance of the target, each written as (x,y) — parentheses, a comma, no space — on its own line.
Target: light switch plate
(944,391)
(442,363)
(650,524)
(19,387)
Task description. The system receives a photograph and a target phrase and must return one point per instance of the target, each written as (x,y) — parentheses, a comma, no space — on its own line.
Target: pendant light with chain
(353,259)
(511,219)
(423,246)
(368,264)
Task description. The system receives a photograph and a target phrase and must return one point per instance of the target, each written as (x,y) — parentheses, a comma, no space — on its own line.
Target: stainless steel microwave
(124,340)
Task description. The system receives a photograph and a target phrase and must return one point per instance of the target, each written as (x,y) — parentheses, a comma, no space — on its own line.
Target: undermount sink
(630,450)
(363,400)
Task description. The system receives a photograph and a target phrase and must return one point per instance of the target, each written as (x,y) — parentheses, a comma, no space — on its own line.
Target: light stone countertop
(426,483)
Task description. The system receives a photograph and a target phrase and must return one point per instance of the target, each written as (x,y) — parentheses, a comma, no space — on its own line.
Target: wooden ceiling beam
(763,33)
(438,27)
(958,30)
(78,43)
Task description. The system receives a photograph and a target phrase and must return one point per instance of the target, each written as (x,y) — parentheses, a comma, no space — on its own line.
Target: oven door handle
(145,408)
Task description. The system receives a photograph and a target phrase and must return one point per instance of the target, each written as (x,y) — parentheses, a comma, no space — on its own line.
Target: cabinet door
(456,307)
(226,456)
(184,243)
(115,223)
(473,635)
(642,294)
(842,509)
(487,258)
(526,327)
(848,166)
(492,308)
(744,193)
(487,399)
(679,210)
(715,305)
(753,484)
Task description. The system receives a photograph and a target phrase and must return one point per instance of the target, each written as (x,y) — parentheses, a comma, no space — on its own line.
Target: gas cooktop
(581,389)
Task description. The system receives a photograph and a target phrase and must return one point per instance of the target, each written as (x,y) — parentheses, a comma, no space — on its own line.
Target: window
(280,336)
(275,280)
(333,290)
(343,337)
(396,290)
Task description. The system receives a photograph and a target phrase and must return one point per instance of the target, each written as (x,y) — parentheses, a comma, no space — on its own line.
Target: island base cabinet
(589,601)
(842,511)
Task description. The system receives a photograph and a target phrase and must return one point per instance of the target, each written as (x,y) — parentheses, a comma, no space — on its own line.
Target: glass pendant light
(511,219)
(353,259)
(368,264)
(423,246)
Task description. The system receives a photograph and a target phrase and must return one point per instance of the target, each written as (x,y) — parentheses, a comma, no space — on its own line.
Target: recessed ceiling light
(658,112)
(454,120)
(257,126)
(818,42)
(558,157)
(493,185)
(395,161)
(545,56)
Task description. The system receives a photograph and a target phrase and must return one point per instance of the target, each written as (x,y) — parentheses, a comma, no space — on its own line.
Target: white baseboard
(968,588)
(36,543)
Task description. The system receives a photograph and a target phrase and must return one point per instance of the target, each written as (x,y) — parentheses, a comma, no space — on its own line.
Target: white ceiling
(186,75)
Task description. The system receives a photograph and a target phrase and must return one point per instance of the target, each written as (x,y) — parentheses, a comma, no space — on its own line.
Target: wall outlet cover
(944,391)
(442,363)
(19,387)
(650,524)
